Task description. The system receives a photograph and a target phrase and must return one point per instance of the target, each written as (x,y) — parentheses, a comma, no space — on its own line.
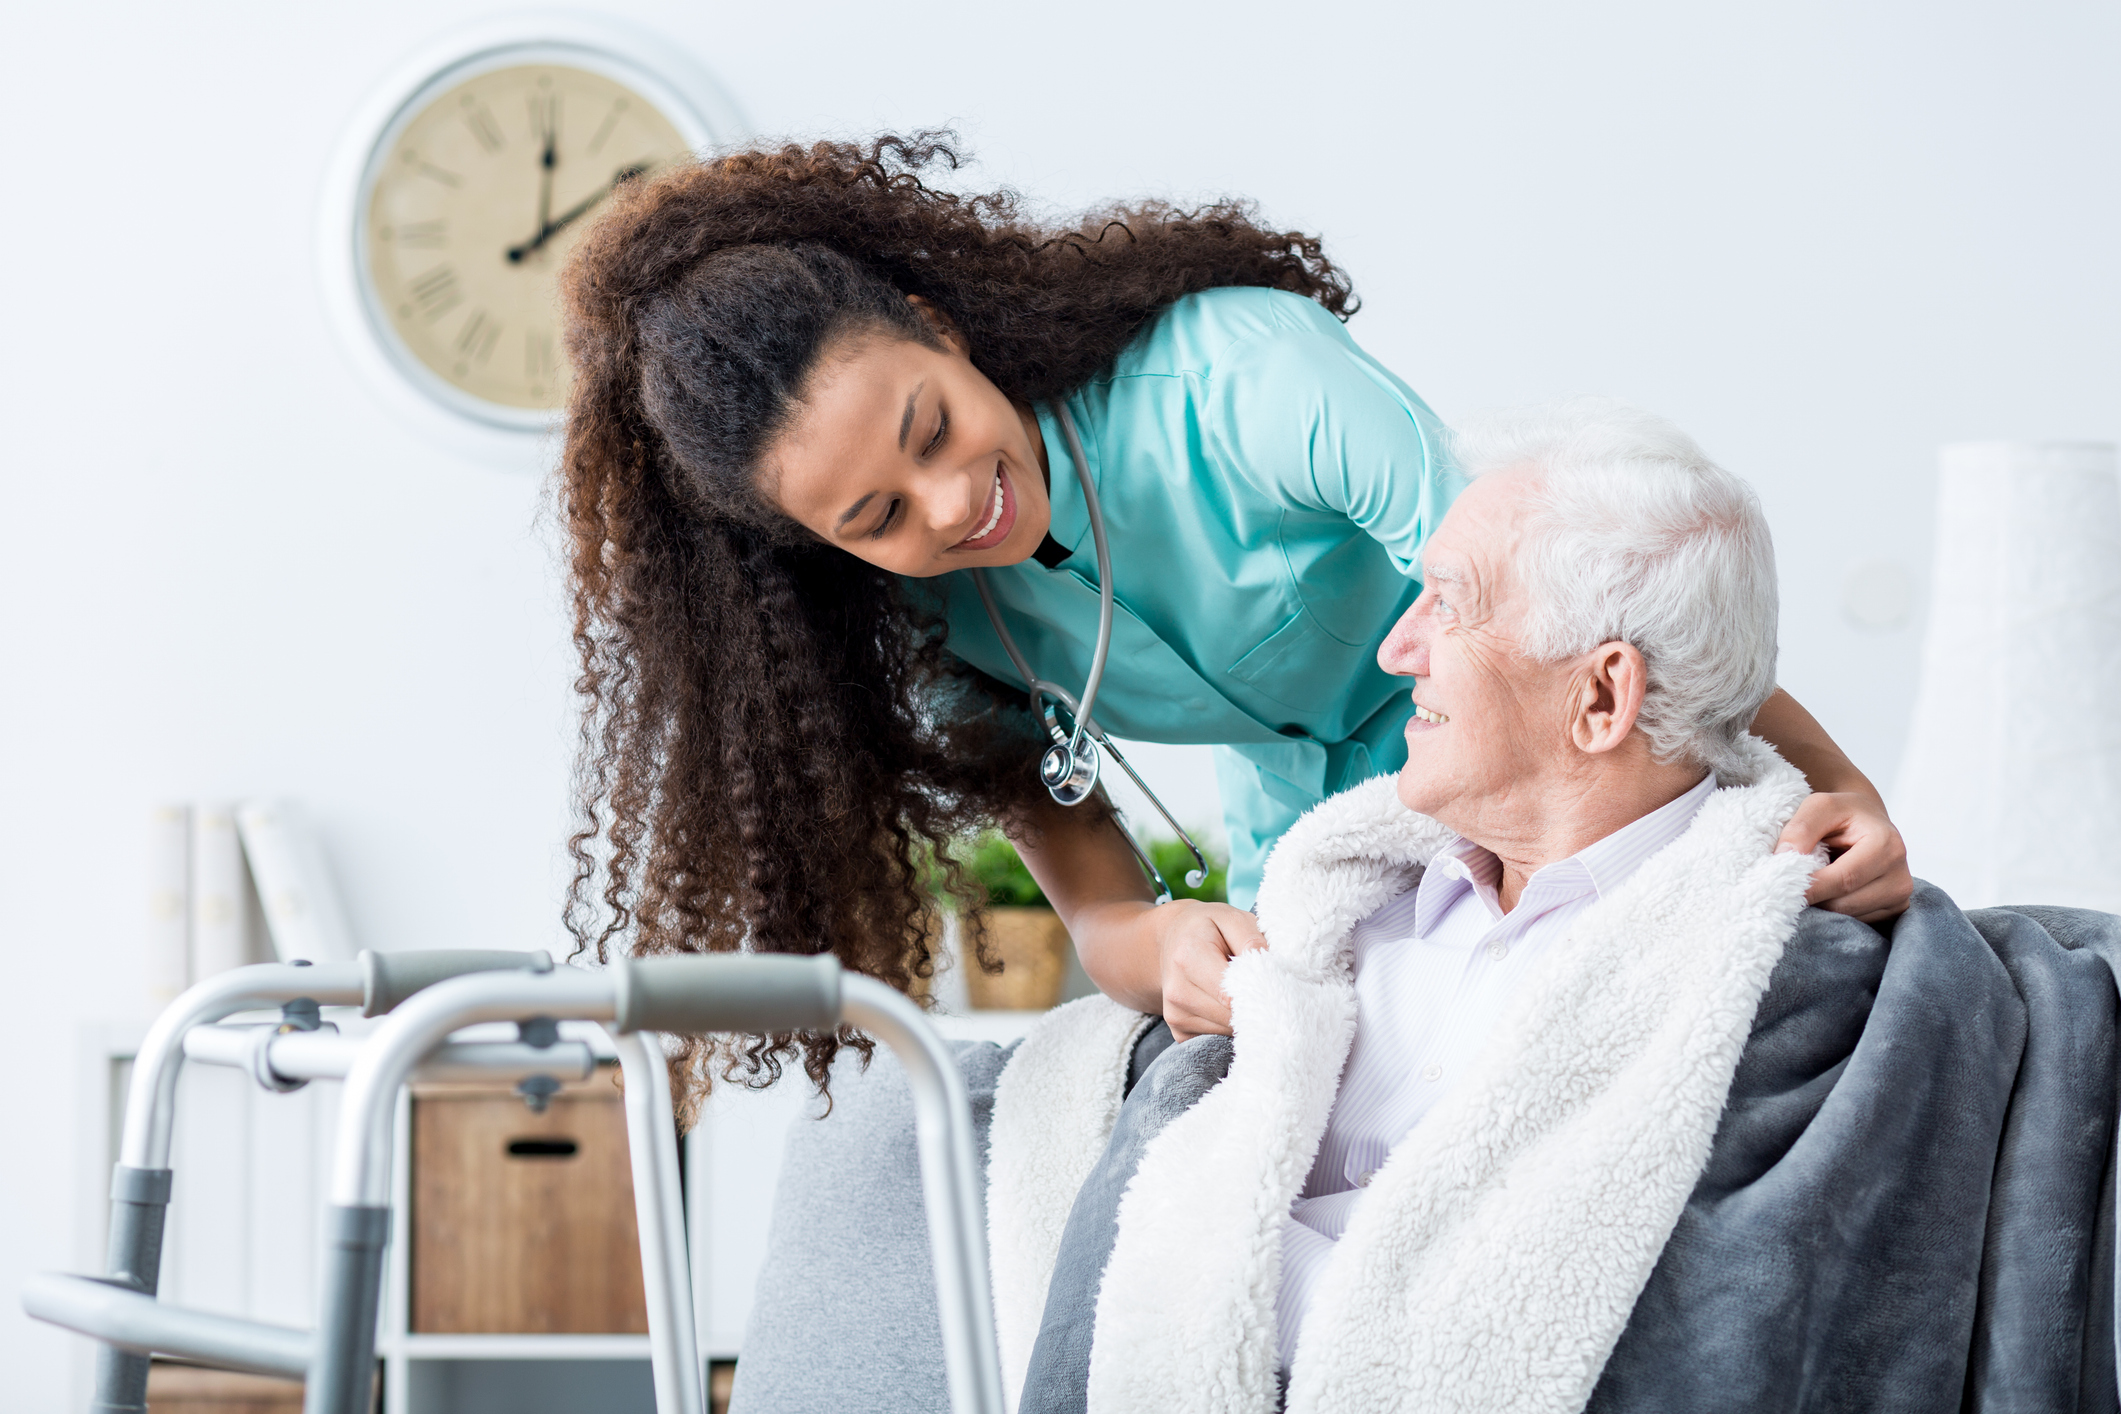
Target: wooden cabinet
(186,1389)
(522,1222)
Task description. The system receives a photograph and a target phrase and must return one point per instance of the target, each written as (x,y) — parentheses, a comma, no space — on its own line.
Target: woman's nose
(945,502)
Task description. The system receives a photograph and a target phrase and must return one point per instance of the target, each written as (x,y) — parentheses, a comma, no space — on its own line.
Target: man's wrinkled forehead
(1470,552)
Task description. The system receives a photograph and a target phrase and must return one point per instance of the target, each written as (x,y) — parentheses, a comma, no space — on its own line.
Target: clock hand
(547,161)
(578,210)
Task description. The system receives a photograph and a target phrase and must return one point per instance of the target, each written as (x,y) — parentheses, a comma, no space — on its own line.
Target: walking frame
(424,997)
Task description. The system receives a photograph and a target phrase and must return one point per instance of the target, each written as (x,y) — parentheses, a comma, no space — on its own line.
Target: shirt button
(1362,1180)
(1432,1072)
(1498,951)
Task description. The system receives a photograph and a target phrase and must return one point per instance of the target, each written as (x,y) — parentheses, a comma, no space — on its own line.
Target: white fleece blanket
(1492,1263)
(1054,1108)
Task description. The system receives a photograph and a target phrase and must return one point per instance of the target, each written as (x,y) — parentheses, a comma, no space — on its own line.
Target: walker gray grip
(388,978)
(344,1368)
(757,992)
(139,1202)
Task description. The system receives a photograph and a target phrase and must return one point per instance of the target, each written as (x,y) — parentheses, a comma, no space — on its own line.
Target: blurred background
(1826,238)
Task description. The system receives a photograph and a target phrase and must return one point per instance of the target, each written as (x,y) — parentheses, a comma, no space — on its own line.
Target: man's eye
(1443,605)
(942,430)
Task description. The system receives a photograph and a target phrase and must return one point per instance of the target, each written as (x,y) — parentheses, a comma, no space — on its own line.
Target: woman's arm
(1868,877)
(1157,958)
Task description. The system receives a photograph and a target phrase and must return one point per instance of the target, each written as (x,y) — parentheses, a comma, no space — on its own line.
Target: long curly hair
(777,748)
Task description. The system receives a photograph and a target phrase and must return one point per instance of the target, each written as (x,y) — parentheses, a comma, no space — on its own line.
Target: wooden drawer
(522,1223)
(186,1389)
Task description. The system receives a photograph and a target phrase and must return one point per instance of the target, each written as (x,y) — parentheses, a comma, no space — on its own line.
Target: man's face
(1490,724)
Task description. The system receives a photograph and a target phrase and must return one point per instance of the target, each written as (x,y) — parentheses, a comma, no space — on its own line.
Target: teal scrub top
(1267,487)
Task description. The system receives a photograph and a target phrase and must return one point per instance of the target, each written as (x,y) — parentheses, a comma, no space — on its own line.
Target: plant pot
(1034,949)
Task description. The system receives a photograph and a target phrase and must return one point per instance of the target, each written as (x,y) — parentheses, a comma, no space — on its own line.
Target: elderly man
(1548,1091)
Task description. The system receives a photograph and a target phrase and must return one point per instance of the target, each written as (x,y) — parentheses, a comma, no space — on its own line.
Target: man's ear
(944,327)
(1609,697)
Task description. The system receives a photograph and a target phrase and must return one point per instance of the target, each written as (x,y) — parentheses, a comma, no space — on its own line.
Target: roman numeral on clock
(436,292)
(478,336)
(423,235)
(479,118)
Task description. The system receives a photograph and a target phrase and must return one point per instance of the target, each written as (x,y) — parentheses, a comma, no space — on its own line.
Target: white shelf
(520,1347)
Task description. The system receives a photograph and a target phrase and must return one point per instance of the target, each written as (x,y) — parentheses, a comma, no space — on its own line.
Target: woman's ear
(1609,697)
(944,327)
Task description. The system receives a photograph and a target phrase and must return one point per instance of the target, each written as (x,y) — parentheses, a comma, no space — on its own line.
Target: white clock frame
(654,67)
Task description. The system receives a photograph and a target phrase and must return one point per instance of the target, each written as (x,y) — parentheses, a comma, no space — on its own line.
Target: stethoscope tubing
(1104,575)
(1041,690)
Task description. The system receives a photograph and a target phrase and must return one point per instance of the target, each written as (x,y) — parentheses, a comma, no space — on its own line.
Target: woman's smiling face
(909,457)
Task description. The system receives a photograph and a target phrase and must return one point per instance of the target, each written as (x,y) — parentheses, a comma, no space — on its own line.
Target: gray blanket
(1909,1205)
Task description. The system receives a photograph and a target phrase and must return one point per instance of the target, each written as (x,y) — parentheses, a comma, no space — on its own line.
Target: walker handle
(755,992)
(388,978)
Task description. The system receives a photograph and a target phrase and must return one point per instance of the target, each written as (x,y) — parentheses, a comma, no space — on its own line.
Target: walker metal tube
(151,1100)
(343,1372)
(327,1055)
(142,1325)
(957,1226)
(140,1180)
(361,1164)
(651,1141)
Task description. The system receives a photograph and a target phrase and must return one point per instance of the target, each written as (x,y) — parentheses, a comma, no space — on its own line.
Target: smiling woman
(902,449)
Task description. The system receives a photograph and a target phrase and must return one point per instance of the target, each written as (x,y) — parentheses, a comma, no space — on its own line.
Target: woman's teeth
(1001,494)
(1426,715)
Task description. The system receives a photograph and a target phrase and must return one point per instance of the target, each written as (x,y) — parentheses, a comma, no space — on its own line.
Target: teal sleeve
(1309,419)
(1258,809)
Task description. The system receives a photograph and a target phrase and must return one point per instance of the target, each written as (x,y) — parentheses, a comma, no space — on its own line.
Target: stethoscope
(1069,766)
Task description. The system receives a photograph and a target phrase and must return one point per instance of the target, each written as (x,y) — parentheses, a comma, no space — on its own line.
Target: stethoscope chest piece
(1070,776)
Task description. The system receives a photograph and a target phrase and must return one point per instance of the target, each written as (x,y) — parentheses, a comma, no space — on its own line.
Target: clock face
(476,200)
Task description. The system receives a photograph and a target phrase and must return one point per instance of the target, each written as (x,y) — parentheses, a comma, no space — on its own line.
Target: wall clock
(465,184)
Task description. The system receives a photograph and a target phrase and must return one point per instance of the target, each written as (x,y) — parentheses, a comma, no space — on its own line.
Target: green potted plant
(1024,933)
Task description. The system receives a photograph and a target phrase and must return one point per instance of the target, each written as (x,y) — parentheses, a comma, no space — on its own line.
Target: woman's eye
(890,516)
(942,430)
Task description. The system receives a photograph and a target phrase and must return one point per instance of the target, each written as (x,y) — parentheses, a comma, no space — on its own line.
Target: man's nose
(1405,651)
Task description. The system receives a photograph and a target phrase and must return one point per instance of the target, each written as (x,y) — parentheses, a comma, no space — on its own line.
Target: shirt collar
(1458,868)
(1612,860)
(1462,866)
(1070,528)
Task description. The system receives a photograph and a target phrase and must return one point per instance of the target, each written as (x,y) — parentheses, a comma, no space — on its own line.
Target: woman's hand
(1194,943)
(1166,958)
(1867,877)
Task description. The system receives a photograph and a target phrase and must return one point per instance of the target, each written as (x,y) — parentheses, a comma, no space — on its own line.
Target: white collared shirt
(1433,969)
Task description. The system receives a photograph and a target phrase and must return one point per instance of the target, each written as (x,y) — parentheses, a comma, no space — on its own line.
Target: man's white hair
(1633,535)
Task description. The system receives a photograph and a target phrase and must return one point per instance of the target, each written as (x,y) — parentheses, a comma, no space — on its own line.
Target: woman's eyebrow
(905,422)
(852,511)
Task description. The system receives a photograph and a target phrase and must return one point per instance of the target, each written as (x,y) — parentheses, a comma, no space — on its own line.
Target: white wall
(1826,237)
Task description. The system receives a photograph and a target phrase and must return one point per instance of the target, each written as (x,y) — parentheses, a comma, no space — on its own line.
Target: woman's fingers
(1194,1003)
(1240,929)
(1868,877)
(1199,946)
(1818,817)
(1874,903)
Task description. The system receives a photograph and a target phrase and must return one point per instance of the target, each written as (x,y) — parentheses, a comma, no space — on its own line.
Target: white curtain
(2010,791)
